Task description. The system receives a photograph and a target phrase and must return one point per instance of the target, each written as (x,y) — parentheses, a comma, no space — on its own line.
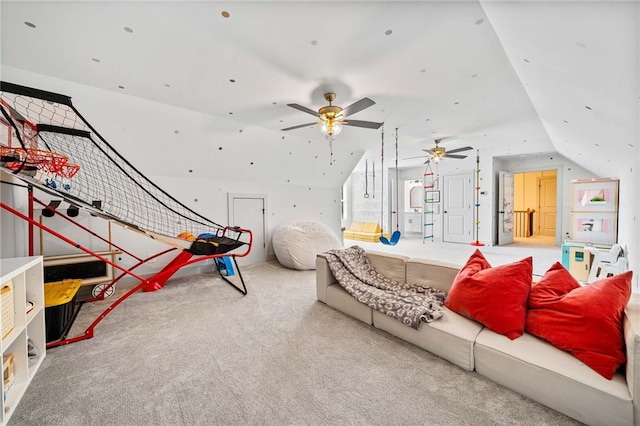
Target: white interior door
(505,208)
(457,213)
(249,211)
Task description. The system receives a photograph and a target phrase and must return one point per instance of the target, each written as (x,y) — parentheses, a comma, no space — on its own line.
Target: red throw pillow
(583,320)
(495,297)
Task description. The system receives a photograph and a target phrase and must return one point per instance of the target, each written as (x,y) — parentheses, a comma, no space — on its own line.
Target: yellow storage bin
(60,308)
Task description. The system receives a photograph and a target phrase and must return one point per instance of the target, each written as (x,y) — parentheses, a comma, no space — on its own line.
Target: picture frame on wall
(595,196)
(432,196)
(594,227)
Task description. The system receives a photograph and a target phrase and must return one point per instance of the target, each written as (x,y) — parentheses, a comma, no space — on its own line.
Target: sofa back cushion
(390,265)
(427,273)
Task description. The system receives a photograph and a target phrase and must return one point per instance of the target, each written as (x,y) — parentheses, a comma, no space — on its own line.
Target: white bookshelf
(24,276)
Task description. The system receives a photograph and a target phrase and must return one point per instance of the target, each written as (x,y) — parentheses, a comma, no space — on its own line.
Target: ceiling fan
(437,153)
(333,117)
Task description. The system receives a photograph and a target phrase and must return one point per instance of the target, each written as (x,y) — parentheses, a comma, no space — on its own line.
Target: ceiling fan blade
(304,109)
(299,126)
(419,156)
(357,107)
(466,148)
(360,123)
(455,156)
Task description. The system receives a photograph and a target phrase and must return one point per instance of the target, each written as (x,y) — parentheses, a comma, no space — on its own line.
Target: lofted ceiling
(508,78)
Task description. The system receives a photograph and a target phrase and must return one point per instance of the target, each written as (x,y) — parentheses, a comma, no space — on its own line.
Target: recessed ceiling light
(121,87)
(427,119)
(30,24)
(225,14)
(314,42)
(423,70)
(526,60)
(456,103)
(580,44)
(388,32)
(232,80)
(251,163)
(167,85)
(127,29)
(587,107)
(95,59)
(240,130)
(283,137)
(176,131)
(219,148)
(479,21)
(597,144)
(566,121)
(230,113)
(274,103)
(474,75)
(190,171)
(631,145)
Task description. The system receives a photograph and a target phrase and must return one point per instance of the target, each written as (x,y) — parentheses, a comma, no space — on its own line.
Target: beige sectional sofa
(528,365)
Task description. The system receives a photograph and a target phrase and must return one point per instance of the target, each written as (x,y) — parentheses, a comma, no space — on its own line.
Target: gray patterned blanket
(409,303)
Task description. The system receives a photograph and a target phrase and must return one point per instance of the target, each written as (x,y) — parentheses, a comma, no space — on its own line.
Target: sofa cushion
(495,297)
(338,298)
(451,337)
(583,320)
(431,273)
(544,373)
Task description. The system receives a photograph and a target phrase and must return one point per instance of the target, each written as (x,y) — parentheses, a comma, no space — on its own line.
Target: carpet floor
(197,352)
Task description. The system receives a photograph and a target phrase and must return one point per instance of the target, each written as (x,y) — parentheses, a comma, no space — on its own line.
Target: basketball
(187,236)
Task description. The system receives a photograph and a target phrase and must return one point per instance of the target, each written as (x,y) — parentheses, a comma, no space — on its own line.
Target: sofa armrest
(324,278)
(632,341)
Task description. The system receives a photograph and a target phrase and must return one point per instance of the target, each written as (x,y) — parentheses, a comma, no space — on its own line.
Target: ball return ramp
(47,144)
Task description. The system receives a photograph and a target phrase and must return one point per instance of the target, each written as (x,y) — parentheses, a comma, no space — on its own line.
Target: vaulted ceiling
(508,78)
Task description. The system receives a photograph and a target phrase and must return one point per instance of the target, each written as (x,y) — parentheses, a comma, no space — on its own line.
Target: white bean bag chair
(297,245)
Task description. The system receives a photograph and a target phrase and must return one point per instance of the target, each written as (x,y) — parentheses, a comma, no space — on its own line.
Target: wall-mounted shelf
(22,319)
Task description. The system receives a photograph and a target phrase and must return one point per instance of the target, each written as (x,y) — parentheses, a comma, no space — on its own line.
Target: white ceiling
(502,77)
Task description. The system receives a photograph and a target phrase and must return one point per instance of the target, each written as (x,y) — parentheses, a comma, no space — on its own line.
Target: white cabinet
(413,222)
(22,323)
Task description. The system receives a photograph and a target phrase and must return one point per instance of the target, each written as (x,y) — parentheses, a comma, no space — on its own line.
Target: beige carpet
(199,353)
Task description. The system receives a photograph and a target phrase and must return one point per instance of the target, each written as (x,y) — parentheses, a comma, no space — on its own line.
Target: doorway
(535,207)
(249,211)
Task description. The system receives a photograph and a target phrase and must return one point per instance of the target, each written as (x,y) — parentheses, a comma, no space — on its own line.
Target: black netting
(94,171)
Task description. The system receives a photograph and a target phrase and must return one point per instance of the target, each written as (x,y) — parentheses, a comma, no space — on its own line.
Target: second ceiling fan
(437,153)
(333,117)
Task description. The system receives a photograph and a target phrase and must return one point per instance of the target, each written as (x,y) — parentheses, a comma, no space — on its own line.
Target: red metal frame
(179,262)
